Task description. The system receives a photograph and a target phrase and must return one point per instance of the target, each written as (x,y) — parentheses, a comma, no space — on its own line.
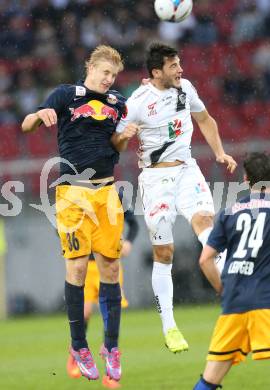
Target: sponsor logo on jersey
(200,187)
(80,91)
(152,109)
(95,109)
(253,204)
(241,267)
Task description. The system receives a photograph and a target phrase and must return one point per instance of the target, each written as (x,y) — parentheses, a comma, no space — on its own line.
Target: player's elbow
(202,261)
(205,260)
(26,124)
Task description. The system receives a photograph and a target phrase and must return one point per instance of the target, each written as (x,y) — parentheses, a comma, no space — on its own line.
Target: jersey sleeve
(217,238)
(196,104)
(129,116)
(57,99)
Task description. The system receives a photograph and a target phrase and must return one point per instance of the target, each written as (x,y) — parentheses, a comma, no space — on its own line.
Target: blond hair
(105,53)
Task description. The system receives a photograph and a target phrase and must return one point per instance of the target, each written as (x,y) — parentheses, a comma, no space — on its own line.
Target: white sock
(221,257)
(163,289)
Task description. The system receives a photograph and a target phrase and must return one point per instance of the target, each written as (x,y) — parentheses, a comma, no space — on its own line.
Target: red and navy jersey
(86,122)
(244,229)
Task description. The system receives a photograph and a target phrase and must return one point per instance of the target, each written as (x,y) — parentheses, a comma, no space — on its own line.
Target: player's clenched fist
(129,131)
(48,116)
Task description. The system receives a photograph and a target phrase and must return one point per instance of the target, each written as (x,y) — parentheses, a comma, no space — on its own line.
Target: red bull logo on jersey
(95,109)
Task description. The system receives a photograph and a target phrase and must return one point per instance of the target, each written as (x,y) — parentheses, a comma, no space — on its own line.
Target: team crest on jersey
(182,98)
(174,128)
(112,99)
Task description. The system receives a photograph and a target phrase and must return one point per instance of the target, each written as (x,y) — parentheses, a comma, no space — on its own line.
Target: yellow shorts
(235,335)
(89,220)
(91,287)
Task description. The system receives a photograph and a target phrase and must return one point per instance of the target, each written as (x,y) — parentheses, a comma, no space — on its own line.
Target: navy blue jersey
(86,122)
(244,229)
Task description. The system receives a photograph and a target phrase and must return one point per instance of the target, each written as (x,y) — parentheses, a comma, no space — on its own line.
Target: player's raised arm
(47,116)
(209,129)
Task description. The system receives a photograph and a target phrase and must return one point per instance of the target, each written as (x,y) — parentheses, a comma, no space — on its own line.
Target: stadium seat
(42,143)
(10,145)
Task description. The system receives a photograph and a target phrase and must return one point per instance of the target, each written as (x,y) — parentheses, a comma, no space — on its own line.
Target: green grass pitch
(34,351)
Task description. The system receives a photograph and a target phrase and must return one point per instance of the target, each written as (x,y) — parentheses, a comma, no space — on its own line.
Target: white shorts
(166,192)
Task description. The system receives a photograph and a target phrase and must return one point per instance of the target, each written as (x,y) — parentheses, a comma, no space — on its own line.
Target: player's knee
(160,229)
(163,253)
(111,272)
(77,273)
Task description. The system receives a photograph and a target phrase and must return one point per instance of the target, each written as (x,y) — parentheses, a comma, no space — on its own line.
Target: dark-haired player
(244,229)
(88,210)
(171,182)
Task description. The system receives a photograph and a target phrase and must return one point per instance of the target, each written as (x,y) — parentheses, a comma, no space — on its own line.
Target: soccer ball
(173,10)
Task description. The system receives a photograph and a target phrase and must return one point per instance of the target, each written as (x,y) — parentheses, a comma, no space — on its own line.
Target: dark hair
(257,168)
(156,54)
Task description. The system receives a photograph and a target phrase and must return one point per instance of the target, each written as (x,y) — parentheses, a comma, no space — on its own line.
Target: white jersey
(165,121)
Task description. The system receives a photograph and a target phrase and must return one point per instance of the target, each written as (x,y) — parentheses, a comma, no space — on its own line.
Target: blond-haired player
(88,210)
(91,288)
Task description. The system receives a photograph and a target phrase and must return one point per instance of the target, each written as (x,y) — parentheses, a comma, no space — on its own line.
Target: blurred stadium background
(225,50)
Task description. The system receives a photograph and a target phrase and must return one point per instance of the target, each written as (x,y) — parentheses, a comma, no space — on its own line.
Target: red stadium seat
(251,112)
(219,59)
(263,127)
(42,143)
(10,145)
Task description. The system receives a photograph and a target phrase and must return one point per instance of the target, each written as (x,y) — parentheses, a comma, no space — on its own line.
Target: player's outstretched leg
(74,296)
(110,307)
(163,289)
(174,340)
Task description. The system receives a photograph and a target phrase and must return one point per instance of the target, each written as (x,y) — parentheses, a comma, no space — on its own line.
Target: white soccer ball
(173,10)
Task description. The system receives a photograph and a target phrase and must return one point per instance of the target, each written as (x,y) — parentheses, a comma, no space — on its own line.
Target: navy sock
(74,296)
(110,307)
(204,385)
